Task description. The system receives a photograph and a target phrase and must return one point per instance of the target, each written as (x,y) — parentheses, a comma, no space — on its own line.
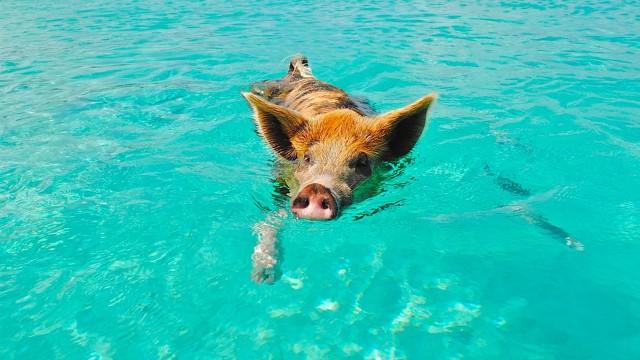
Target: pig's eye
(362,160)
(361,164)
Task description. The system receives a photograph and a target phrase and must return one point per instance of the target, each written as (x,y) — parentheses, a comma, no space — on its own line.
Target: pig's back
(309,96)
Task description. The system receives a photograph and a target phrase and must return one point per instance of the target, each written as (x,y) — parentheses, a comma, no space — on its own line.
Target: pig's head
(334,152)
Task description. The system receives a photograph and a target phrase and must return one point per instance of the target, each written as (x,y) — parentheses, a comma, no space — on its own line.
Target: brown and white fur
(327,140)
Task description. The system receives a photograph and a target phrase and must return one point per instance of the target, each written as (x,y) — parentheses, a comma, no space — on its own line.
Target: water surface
(131,177)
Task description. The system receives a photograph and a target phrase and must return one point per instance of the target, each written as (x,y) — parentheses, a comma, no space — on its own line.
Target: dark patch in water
(377,210)
(507,184)
(512,186)
(533,218)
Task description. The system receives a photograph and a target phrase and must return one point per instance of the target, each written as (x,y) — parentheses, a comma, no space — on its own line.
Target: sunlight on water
(131,182)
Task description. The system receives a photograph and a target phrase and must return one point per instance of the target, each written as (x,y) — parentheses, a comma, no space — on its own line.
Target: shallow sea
(131,178)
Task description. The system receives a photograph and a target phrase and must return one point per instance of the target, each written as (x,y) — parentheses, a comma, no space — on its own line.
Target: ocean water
(131,179)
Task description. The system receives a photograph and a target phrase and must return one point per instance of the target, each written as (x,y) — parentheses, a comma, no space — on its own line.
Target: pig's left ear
(276,124)
(401,128)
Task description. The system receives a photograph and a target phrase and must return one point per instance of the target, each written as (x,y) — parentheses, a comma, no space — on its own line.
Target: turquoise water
(131,178)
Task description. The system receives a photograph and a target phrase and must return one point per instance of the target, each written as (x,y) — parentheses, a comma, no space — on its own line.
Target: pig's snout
(315,202)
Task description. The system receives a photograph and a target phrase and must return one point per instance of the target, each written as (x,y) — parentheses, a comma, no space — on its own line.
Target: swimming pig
(329,141)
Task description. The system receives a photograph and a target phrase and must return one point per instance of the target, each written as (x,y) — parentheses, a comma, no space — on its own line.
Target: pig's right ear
(276,124)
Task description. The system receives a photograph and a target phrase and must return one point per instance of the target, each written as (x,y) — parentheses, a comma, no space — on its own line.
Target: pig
(327,141)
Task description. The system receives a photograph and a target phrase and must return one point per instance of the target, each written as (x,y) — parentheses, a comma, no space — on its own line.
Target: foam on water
(131,182)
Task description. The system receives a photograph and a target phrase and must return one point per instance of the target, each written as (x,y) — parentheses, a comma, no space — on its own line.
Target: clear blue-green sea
(131,178)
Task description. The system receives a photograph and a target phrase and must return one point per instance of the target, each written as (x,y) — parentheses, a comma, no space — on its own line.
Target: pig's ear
(401,128)
(276,124)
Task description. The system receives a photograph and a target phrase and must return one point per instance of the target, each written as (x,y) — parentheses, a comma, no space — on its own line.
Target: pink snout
(314,202)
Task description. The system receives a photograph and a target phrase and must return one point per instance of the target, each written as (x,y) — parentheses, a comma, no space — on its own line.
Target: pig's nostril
(314,202)
(301,202)
(325,203)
